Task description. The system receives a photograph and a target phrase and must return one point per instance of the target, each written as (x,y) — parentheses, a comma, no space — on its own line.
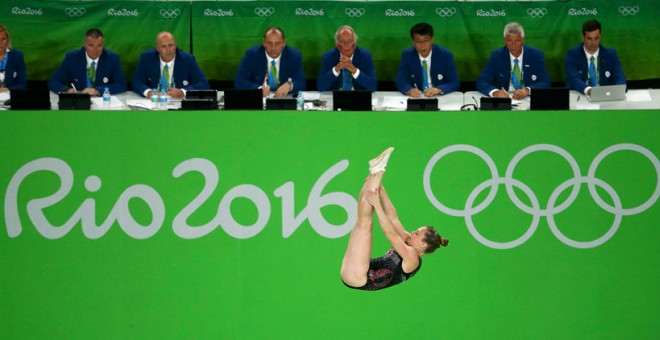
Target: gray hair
(514,28)
(348,28)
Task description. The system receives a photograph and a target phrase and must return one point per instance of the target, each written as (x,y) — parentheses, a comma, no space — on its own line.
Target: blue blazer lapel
(417,71)
(180,70)
(506,67)
(154,70)
(102,69)
(357,58)
(262,67)
(80,68)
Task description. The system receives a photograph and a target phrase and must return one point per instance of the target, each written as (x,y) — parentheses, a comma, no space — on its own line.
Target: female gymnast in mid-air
(404,259)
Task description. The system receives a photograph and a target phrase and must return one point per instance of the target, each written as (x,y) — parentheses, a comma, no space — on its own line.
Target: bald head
(274,41)
(166,46)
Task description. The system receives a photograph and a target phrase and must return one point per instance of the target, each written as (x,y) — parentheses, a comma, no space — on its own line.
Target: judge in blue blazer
(90,69)
(167,67)
(515,68)
(12,64)
(607,68)
(442,75)
(274,67)
(346,67)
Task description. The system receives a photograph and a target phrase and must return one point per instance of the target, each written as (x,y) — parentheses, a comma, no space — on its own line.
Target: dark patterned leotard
(386,271)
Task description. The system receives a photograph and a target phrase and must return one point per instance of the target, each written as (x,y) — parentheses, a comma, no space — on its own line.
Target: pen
(74,87)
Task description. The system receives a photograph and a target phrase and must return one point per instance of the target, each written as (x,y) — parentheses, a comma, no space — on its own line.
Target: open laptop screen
(74,101)
(608,93)
(555,98)
(243,99)
(280,104)
(495,103)
(358,100)
(422,104)
(30,99)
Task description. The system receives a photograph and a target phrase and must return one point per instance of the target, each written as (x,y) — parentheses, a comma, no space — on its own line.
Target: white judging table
(395,101)
(635,100)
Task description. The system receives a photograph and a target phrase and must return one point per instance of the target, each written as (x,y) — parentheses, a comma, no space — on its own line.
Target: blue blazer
(253,69)
(577,68)
(497,73)
(443,70)
(187,74)
(15,76)
(361,59)
(73,70)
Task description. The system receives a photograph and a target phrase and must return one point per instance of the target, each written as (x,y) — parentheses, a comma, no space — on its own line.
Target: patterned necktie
(165,79)
(515,78)
(346,80)
(593,76)
(425,74)
(272,75)
(91,75)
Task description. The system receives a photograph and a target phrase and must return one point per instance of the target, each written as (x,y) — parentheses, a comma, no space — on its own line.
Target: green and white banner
(218,32)
(233,225)
(46,30)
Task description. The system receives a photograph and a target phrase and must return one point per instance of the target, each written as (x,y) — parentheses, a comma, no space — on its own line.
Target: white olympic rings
(74,12)
(628,10)
(264,11)
(445,11)
(354,12)
(537,12)
(170,13)
(552,208)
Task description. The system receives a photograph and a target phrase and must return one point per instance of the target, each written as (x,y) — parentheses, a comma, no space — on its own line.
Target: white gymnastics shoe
(380,163)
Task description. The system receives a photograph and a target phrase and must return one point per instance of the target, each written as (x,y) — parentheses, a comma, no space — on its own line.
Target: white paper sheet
(311,95)
(115,103)
(139,103)
(394,103)
(638,96)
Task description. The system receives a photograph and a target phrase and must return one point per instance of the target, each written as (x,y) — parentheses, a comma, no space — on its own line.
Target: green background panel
(274,287)
(218,32)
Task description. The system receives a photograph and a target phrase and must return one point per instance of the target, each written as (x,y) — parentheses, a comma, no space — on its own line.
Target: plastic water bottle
(300,102)
(106,98)
(163,99)
(154,99)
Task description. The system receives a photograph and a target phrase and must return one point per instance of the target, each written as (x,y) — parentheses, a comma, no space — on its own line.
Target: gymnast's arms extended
(409,254)
(390,211)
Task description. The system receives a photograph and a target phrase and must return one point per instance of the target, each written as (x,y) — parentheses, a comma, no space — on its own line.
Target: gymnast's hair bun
(444,242)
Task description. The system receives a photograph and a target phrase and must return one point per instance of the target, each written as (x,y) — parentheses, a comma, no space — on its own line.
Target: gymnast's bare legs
(355,264)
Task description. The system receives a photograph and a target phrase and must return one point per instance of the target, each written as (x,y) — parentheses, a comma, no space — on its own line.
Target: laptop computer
(74,101)
(495,103)
(554,98)
(607,93)
(280,104)
(244,99)
(200,100)
(202,94)
(422,104)
(30,99)
(358,100)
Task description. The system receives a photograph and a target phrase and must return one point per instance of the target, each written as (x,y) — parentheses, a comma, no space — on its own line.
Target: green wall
(218,32)
(232,225)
